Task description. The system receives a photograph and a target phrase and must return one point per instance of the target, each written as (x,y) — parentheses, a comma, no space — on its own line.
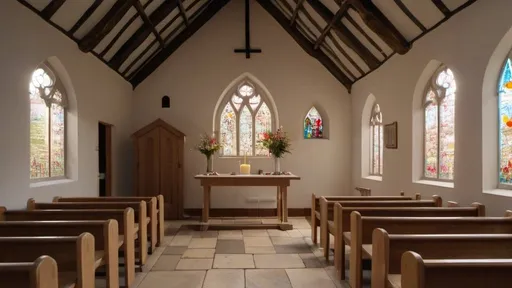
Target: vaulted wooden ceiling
(351,38)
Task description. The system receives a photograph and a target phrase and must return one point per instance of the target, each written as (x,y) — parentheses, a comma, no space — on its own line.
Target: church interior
(255,143)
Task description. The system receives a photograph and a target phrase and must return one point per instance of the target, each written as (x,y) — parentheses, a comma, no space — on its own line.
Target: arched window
(48,102)
(313,124)
(245,115)
(376,141)
(505,123)
(439,125)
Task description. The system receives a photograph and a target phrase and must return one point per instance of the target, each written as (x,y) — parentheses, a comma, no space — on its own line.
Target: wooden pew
(140,209)
(364,191)
(74,255)
(315,206)
(449,273)
(160,208)
(127,230)
(340,228)
(362,229)
(326,205)
(41,273)
(105,232)
(389,248)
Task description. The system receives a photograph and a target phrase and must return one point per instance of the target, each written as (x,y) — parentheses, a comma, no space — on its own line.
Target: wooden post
(206,203)
(284,199)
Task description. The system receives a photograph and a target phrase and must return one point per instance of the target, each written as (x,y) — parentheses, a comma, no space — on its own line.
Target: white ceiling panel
(177,23)
(147,42)
(331,5)
(368,31)
(454,4)
(141,60)
(398,18)
(426,12)
(353,55)
(192,10)
(95,18)
(152,6)
(70,12)
(38,4)
(315,15)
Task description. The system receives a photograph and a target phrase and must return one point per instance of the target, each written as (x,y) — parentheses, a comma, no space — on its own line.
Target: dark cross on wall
(247,50)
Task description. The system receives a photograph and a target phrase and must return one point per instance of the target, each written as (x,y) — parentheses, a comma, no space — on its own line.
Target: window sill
(499,192)
(435,183)
(373,177)
(50,183)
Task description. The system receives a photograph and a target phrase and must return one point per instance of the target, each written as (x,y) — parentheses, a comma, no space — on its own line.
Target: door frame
(108,158)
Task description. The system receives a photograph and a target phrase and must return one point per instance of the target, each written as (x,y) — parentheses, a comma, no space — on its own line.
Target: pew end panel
(313,218)
(380,240)
(324,218)
(480,208)
(339,243)
(438,200)
(356,253)
(508,213)
(161,220)
(413,270)
(417,196)
(452,204)
(42,273)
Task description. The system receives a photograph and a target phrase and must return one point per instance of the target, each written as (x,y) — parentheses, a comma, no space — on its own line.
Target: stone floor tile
(181,240)
(224,278)
(151,261)
(287,241)
(305,232)
(230,235)
(295,233)
(277,233)
(292,249)
(247,221)
(307,278)
(299,223)
(215,221)
(194,264)
(331,271)
(175,250)
(209,234)
(278,261)
(266,278)
(167,240)
(228,221)
(166,263)
(255,233)
(198,253)
(203,243)
(230,247)
(270,221)
(233,261)
(173,279)
(260,250)
(257,241)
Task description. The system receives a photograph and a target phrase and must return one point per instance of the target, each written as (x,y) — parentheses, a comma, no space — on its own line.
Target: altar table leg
(279,213)
(284,200)
(206,203)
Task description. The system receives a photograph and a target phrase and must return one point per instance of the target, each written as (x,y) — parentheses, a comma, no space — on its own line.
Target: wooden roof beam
(296,11)
(212,8)
(183,12)
(381,25)
(105,25)
(85,16)
(344,33)
(337,17)
(141,34)
(51,8)
(148,23)
(304,43)
(442,7)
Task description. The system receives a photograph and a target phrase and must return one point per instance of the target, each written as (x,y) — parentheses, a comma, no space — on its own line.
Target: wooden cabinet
(159,165)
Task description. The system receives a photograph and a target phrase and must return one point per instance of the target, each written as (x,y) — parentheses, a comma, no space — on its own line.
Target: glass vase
(209,164)
(277,166)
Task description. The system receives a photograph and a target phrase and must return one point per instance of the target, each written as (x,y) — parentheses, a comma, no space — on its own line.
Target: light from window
(505,126)
(439,133)
(244,119)
(47,125)
(313,125)
(376,141)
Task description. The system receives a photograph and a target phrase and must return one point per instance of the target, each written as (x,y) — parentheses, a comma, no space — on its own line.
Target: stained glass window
(439,133)
(313,124)
(376,141)
(47,125)
(244,119)
(505,124)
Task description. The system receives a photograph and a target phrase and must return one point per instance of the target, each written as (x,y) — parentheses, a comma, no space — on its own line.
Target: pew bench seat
(367,251)
(346,237)
(394,280)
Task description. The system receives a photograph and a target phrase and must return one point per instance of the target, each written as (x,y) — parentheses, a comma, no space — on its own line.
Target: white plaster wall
(101,95)
(465,43)
(198,72)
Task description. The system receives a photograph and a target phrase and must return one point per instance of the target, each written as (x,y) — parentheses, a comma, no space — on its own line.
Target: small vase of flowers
(208,145)
(277,144)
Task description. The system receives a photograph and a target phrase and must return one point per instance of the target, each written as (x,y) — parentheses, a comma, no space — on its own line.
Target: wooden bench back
(444,273)
(42,273)
(72,253)
(316,199)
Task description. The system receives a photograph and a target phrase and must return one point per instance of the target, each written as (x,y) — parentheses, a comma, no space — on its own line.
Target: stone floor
(237,259)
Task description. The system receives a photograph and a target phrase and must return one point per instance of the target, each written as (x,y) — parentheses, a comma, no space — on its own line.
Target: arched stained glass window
(313,124)
(244,118)
(505,123)
(48,104)
(439,125)
(376,141)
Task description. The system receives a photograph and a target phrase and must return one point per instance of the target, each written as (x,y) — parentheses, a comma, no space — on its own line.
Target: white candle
(245,169)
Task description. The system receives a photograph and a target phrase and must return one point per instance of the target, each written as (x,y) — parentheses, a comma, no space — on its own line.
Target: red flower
(505,170)
(266,136)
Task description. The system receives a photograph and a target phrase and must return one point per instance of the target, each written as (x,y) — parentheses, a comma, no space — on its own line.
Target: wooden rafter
(345,34)
(295,12)
(85,16)
(212,8)
(442,7)
(381,25)
(147,22)
(141,34)
(305,44)
(51,8)
(105,25)
(183,12)
(365,35)
(337,17)
(409,14)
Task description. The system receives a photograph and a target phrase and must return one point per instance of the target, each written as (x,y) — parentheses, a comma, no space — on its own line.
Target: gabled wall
(466,44)
(198,72)
(101,95)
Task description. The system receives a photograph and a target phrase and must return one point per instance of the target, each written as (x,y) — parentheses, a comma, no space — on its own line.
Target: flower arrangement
(208,145)
(277,142)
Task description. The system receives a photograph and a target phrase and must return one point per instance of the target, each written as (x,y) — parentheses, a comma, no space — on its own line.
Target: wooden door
(170,167)
(148,164)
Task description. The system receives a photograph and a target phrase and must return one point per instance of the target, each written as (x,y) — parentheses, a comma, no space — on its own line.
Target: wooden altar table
(280,181)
